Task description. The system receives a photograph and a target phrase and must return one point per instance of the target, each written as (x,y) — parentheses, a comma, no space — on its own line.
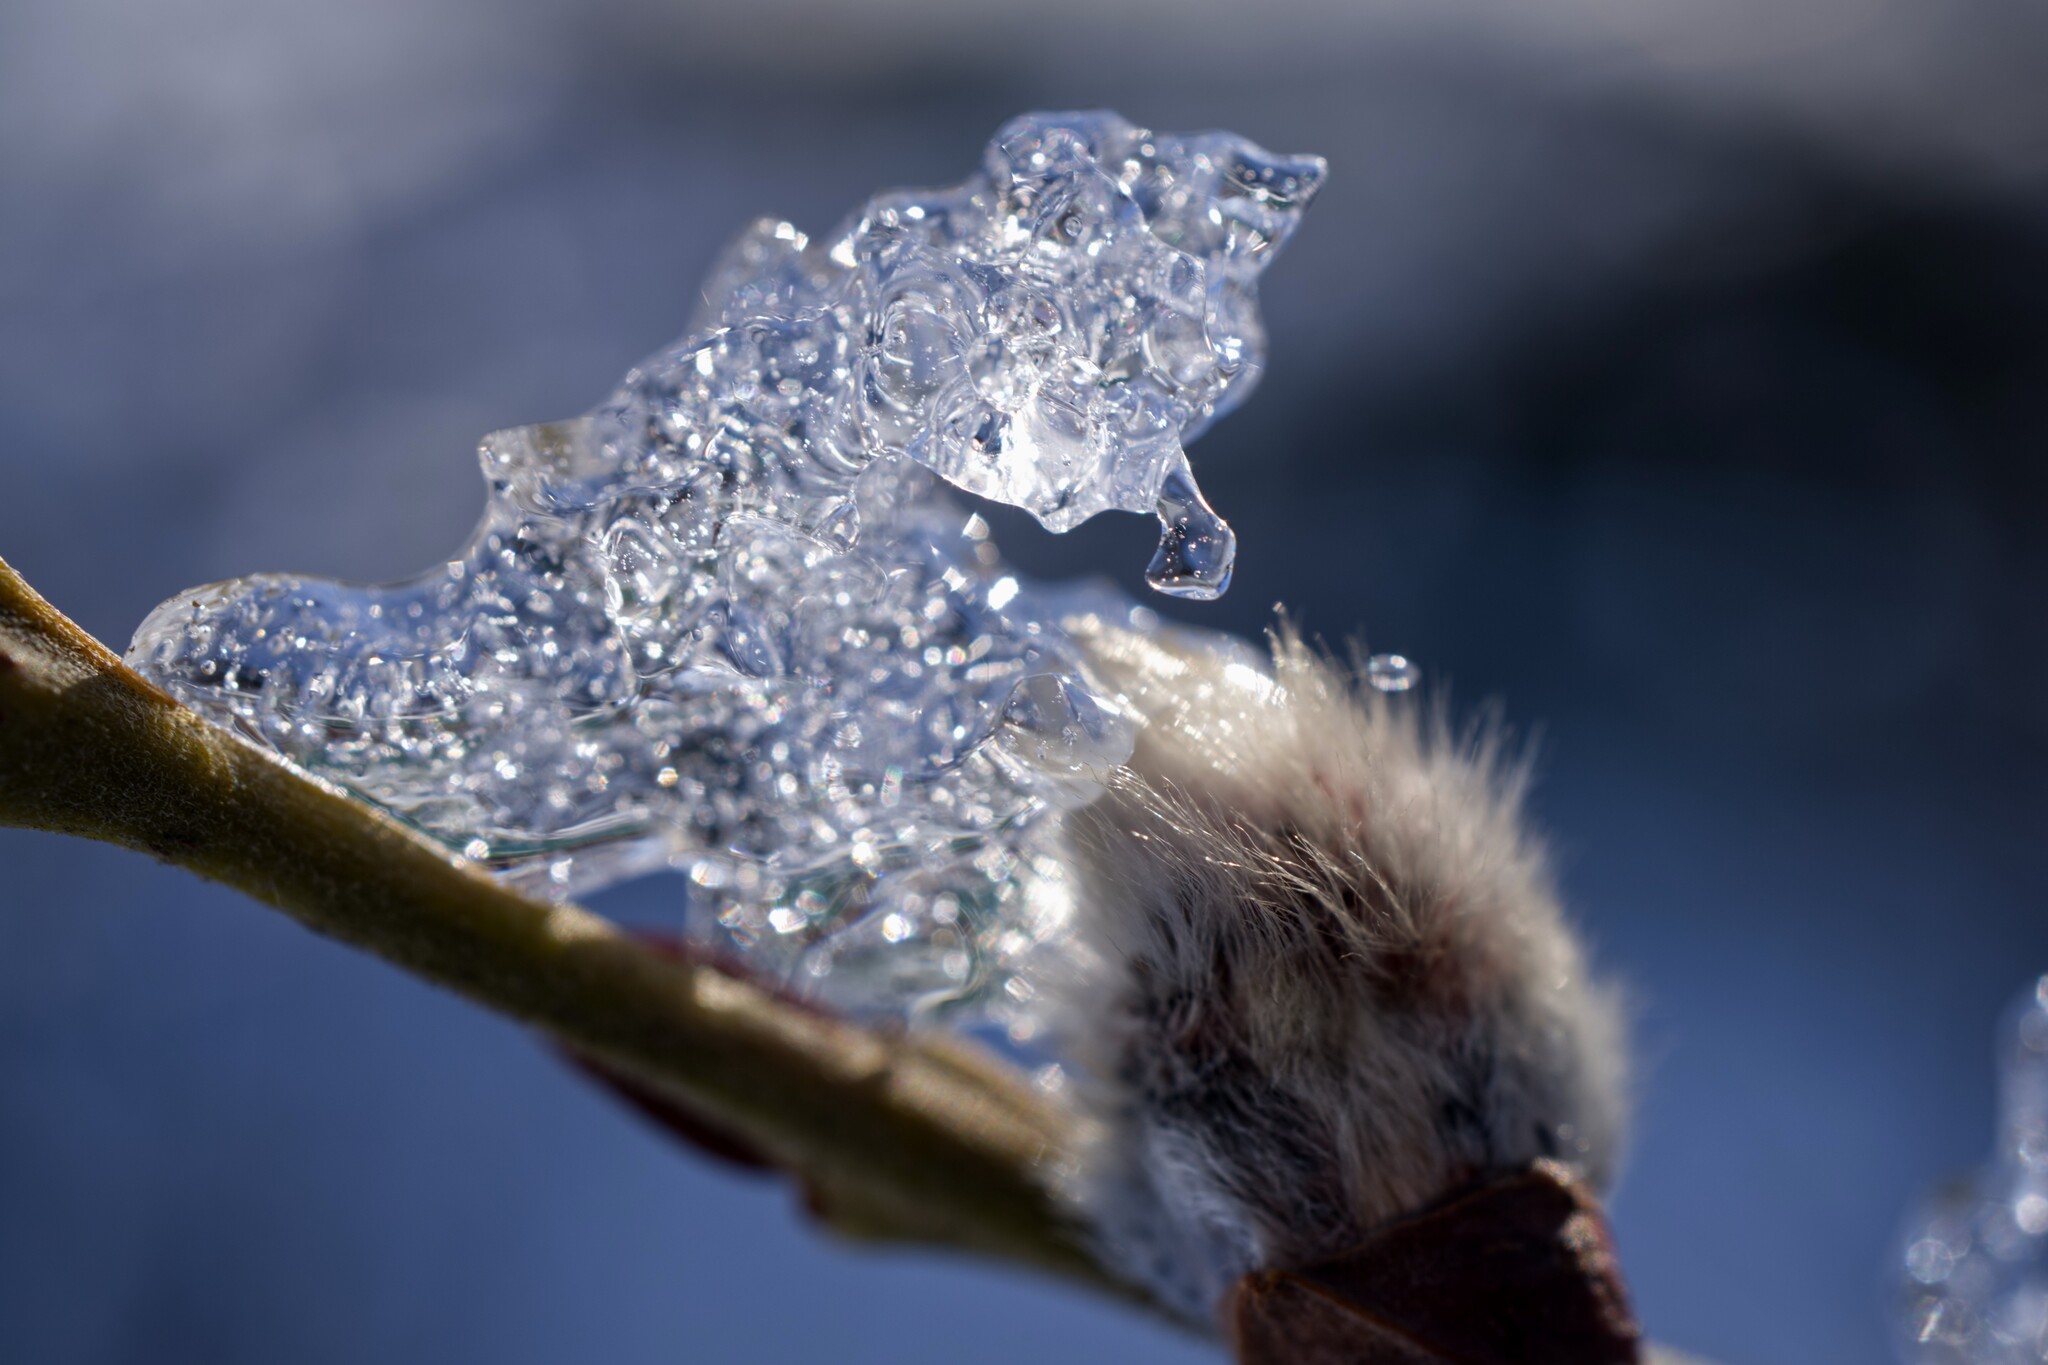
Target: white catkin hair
(1321,976)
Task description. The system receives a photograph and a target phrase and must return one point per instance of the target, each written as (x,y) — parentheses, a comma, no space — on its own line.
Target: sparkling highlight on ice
(730,624)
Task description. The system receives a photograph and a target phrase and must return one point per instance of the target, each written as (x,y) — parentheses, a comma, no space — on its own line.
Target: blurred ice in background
(1973,1281)
(1676,371)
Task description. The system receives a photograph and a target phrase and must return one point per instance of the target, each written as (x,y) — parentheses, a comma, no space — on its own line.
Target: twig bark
(900,1137)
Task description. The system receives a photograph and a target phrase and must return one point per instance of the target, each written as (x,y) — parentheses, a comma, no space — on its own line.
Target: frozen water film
(729,623)
(1976,1262)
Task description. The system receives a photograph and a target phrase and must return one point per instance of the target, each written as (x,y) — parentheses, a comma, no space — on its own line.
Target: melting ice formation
(1976,1263)
(728,623)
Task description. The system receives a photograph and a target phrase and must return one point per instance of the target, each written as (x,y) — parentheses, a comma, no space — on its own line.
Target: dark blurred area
(1675,373)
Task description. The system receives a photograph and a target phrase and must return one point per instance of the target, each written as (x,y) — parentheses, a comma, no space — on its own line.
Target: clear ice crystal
(727,623)
(1974,1268)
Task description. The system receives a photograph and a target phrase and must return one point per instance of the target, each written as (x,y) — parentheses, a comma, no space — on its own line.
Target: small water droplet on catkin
(1391,672)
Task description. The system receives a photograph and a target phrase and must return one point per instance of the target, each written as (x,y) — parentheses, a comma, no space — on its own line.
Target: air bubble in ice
(1055,729)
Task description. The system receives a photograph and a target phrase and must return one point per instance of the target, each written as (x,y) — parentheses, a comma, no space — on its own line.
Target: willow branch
(895,1136)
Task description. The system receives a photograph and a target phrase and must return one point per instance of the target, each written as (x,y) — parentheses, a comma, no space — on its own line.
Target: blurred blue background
(1675,371)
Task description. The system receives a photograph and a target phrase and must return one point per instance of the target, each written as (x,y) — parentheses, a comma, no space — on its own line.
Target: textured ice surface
(729,623)
(1975,1265)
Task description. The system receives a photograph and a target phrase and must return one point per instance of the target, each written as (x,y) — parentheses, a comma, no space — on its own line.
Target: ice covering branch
(896,1137)
(900,1136)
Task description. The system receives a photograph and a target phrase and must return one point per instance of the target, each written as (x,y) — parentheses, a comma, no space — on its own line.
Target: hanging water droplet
(1197,548)
(1392,672)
